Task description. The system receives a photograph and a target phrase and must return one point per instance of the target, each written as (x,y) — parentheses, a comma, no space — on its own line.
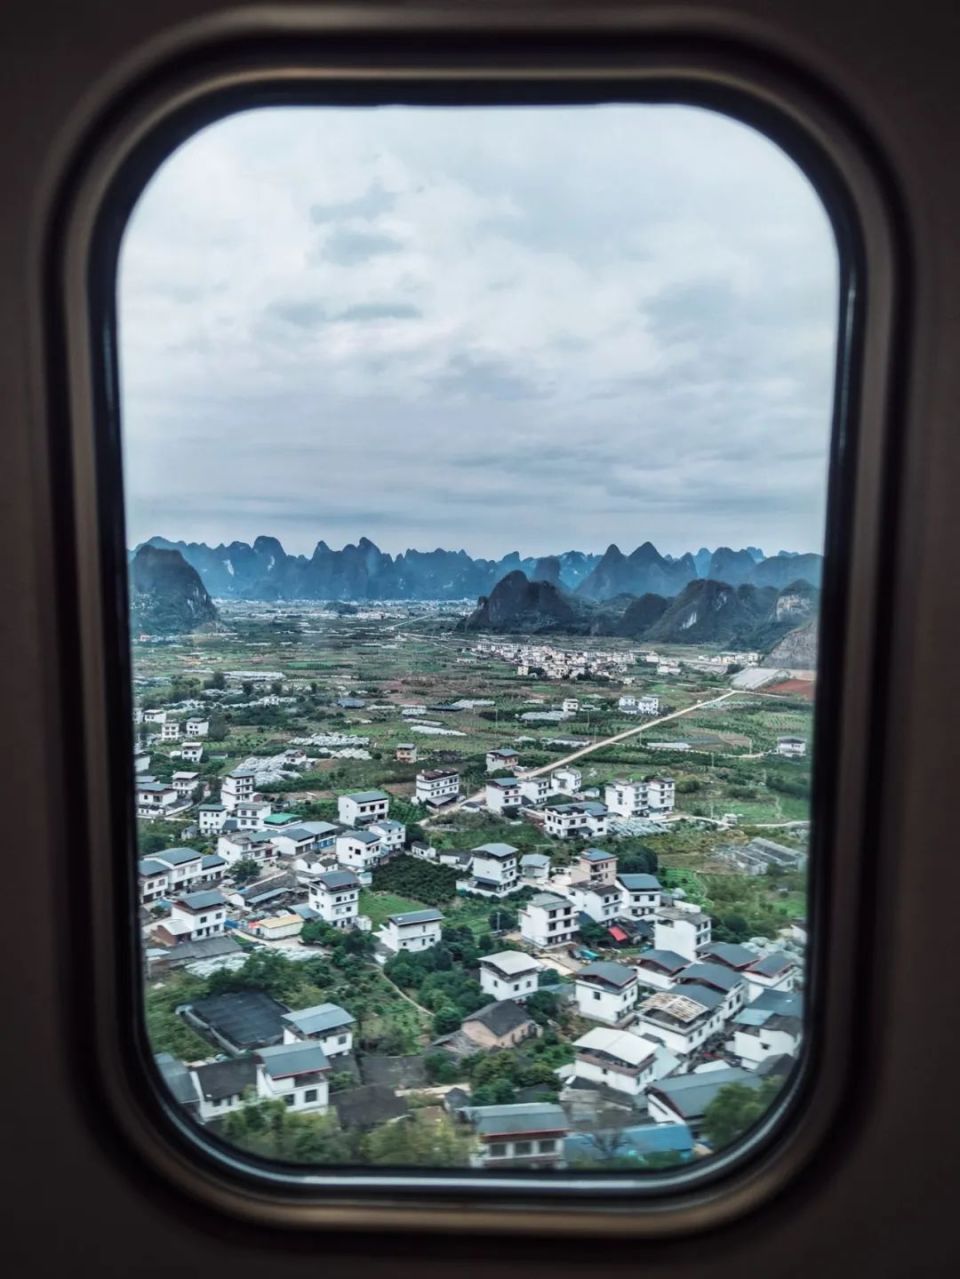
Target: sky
(532,329)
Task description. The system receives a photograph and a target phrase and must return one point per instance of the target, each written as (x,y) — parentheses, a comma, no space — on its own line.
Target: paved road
(597,746)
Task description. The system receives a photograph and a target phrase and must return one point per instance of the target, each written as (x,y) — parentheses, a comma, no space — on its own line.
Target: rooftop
(246,1018)
(608,974)
(205,900)
(511,962)
(218,1080)
(690,1095)
(332,880)
(500,1018)
(528,1116)
(366,796)
(597,855)
(176,856)
(639,883)
(499,851)
(284,1060)
(773,965)
(431,915)
(712,975)
(549,901)
(621,1044)
(319,1018)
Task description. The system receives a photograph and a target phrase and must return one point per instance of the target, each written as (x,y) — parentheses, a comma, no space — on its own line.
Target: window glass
(475,472)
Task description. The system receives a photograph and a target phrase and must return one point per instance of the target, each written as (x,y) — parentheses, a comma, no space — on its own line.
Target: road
(596,746)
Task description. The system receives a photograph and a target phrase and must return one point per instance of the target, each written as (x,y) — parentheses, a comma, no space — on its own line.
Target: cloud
(529,327)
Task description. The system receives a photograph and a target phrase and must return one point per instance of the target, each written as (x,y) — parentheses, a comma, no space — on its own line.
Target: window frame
(335,59)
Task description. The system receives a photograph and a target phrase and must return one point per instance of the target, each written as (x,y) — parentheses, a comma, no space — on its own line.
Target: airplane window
(475,467)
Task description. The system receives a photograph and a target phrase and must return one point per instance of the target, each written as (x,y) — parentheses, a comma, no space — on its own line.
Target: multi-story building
(534,790)
(392,835)
(595,866)
(155,799)
(565,821)
(196,727)
(524,1135)
(437,787)
(502,757)
(335,896)
(602,902)
(170,730)
(685,930)
(328,1025)
(566,780)
(682,1018)
(502,795)
(494,870)
(606,992)
(414,930)
(548,920)
(791,747)
(406,753)
(361,850)
(640,895)
(238,787)
(509,974)
(363,807)
(615,1059)
(660,969)
(210,817)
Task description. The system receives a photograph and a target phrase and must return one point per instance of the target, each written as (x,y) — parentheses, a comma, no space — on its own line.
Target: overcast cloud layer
(528,329)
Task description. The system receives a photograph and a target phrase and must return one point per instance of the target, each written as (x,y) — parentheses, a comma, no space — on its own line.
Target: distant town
(413,894)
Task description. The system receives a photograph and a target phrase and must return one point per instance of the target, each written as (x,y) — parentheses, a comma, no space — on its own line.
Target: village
(497,962)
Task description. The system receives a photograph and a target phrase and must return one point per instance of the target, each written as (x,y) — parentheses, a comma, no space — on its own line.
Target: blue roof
(176,856)
(596,855)
(631,1143)
(640,883)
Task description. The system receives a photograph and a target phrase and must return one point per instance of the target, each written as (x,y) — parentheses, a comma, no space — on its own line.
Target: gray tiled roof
(284,1060)
(319,1018)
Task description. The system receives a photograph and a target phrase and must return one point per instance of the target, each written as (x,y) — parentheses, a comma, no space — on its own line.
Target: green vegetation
(423,881)
(736,1109)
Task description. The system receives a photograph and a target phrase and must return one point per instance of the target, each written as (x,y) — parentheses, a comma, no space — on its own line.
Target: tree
(735,1109)
(446,1020)
(245,870)
(277,687)
(216,680)
(247,687)
(434,1143)
(501,920)
(543,1006)
(268,1128)
(217,731)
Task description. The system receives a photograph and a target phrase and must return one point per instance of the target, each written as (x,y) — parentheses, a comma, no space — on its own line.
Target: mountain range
(704,611)
(167,596)
(264,571)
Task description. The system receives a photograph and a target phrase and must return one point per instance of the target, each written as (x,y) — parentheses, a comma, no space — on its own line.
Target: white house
(210,818)
(296,1074)
(509,974)
(626,798)
(307,837)
(406,753)
(359,849)
(413,931)
(730,985)
(596,866)
(791,747)
(184,866)
(570,705)
(224,1086)
(152,880)
(328,1025)
(238,787)
(640,895)
(362,807)
(548,920)
(534,790)
(566,780)
(257,846)
(567,820)
(660,969)
(154,717)
(762,1033)
(645,704)
(606,992)
(681,1018)
(494,869)
(155,799)
(616,1059)
(602,902)
(535,867)
(502,795)
(522,1135)
(196,915)
(335,896)
(685,1098)
(504,757)
(392,835)
(437,787)
(775,971)
(681,929)
(251,814)
(185,783)
(169,730)
(196,727)
(661,794)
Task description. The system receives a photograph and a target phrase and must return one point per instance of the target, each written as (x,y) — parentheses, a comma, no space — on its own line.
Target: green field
(380,906)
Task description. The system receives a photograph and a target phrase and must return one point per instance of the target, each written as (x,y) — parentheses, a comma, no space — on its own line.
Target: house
(437,787)
(504,757)
(615,1059)
(761,1033)
(296,841)
(682,1018)
(570,705)
(683,929)
(534,790)
(153,798)
(329,1025)
(639,895)
(196,727)
(626,798)
(170,730)
(276,927)
(791,747)
(335,896)
(567,820)
(566,781)
(685,1098)
(729,954)
(192,752)
(775,971)
(637,1143)
(239,1020)
(414,930)
(602,902)
(257,846)
(362,807)
(151,880)
(359,849)
(502,795)
(238,787)
(509,974)
(606,992)
(660,968)
(729,984)
(184,866)
(406,753)
(645,704)
(524,1135)
(154,717)
(595,866)
(185,783)
(548,920)
(494,870)
(501,1025)
(210,818)
(392,835)
(201,914)
(296,1074)
(661,794)
(222,1086)
(178,1081)
(277,822)
(535,867)
(141,762)
(251,814)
